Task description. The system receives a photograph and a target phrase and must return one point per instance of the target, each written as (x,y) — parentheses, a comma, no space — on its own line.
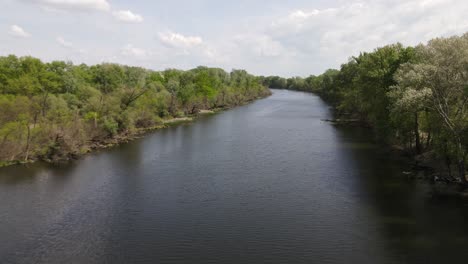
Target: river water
(267,182)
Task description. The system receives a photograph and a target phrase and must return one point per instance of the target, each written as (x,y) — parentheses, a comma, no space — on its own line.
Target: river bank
(123,137)
(65,115)
(426,166)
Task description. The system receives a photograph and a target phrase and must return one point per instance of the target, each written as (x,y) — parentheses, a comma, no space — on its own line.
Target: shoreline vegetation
(414,99)
(59,111)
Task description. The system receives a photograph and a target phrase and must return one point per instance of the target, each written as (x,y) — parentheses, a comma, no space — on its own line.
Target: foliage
(51,110)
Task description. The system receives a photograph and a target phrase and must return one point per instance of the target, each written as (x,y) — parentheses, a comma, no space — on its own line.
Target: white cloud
(331,35)
(80,5)
(70,47)
(300,14)
(129,50)
(127,16)
(260,45)
(64,43)
(19,32)
(177,40)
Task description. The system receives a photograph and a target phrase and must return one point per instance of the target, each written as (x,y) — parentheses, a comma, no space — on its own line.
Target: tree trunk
(448,163)
(36,114)
(429,134)
(461,162)
(461,171)
(416,133)
(43,104)
(27,143)
(428,140)
(172,108)
(205,102)
(410,141)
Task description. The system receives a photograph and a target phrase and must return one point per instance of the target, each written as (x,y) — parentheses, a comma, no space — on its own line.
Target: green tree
(442,72)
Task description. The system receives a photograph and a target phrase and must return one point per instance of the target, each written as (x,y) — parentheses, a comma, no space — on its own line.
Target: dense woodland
(415,98)
(55,110)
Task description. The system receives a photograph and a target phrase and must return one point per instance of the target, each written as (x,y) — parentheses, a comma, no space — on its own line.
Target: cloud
(127,16)
(19,32)
(328,37)
(177,40)
(284,38)
(260,45)
(300,14)
(64,43)
(129,50)
(69,46)
(75,5)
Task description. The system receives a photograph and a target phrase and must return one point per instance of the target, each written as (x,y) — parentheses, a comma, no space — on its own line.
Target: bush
(110,126)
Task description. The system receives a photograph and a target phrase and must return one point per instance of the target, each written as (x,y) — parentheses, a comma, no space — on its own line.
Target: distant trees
(412,97)
(51,110)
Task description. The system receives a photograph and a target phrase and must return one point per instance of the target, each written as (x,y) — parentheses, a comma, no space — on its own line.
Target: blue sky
(287,38)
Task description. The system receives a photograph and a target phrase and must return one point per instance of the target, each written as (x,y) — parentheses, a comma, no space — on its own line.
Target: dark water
(264,183)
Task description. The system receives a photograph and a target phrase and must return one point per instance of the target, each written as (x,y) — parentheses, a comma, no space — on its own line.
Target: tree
(442,76)
(412,97)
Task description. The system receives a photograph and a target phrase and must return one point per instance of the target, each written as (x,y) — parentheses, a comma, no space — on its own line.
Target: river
(269,182)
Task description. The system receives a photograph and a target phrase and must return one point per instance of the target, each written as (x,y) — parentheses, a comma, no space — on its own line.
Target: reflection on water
(264,183)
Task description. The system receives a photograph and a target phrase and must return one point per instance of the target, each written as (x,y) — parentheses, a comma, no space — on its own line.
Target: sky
(275,37)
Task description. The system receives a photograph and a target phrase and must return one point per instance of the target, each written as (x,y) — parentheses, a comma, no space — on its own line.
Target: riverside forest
(135,161)
(57,110)
(413,98)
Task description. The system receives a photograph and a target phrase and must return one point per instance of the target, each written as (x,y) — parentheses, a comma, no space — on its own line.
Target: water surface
(264,183)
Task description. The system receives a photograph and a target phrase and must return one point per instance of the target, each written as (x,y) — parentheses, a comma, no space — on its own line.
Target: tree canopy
(49,110)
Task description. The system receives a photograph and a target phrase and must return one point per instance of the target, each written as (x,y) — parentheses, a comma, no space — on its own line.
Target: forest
(413,98)
(57,110)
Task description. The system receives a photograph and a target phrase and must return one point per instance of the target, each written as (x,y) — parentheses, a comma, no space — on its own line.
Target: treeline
(413,97)
(52,110)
